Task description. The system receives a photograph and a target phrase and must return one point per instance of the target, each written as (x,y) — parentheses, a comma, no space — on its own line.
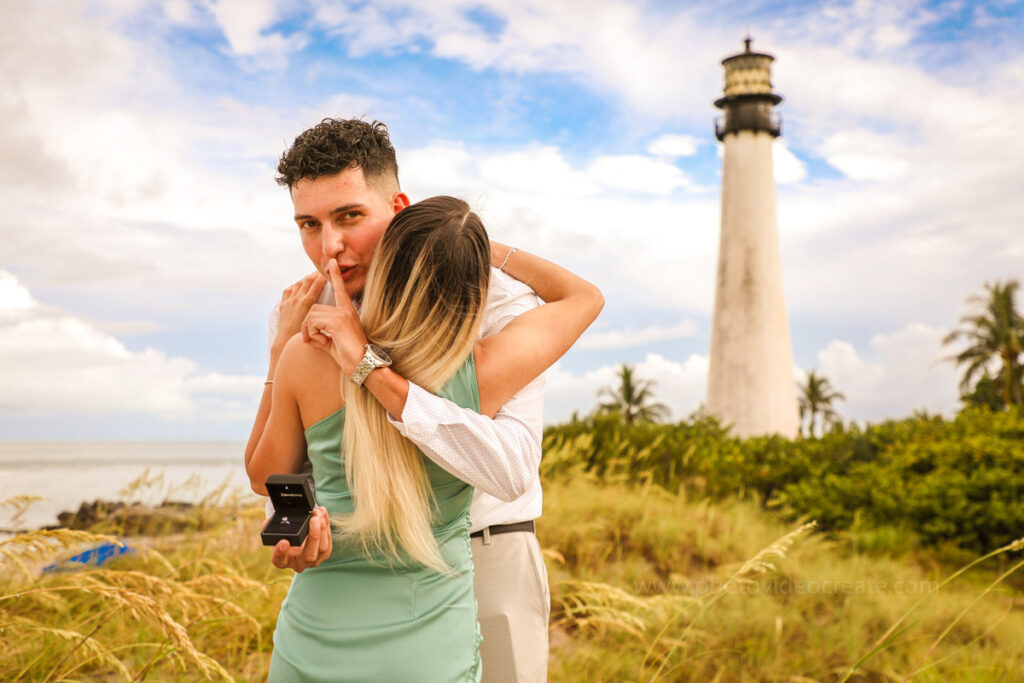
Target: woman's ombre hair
(423,302)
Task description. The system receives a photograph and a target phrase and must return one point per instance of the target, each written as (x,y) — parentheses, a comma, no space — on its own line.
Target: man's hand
(315,549)
(336,329)
(296,301)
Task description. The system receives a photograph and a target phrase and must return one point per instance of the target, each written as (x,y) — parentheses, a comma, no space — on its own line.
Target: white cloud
(245,24)
(162,188)
(867,167)
(634,248)
(611,44)
(680,386)
(540,171)
(926,144)
(339,106)
(179,11)
(220,385)
(629,337)
(53,362)
(889,36)
(137,185)
(902,371)
(636,173)
(868,27)
(898,373)
(863,155)
(536,170)
(439,168)
(13,297)
(566,394)
(787,167)
(674,145)
(934,209)
(127,328)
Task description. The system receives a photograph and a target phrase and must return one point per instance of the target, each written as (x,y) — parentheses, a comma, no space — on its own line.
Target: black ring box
(294,500)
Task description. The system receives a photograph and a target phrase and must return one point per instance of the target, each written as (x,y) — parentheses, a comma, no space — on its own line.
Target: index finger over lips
(341,297)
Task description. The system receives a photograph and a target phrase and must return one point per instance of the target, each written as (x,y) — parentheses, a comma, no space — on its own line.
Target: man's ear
(399,201)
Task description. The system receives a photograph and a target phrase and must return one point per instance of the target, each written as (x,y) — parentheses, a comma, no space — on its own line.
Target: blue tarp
(93,557)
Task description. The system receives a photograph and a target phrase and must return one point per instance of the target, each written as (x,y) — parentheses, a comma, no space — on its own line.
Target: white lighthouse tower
(750,380)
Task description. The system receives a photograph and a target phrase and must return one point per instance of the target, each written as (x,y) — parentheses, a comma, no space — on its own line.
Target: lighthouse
(750,378)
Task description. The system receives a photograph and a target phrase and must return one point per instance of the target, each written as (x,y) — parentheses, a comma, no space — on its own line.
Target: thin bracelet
(511,251)
(269,381)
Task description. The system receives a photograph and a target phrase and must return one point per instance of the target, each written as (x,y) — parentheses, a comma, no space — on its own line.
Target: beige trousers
(514,605)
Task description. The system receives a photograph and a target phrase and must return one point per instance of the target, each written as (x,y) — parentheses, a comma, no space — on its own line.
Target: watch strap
(370,362)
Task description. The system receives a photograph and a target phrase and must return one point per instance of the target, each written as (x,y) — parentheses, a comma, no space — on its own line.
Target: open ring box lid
(294,499)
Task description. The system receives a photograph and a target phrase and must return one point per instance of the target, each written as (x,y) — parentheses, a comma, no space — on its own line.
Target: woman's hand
(314,550)
(336,329)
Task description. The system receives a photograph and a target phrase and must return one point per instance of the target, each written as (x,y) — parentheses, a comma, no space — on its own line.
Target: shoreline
(61,476)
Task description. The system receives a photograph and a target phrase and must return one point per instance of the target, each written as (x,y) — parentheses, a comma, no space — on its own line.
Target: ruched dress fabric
(355,619)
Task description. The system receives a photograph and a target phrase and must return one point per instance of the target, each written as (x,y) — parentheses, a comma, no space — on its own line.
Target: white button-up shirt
(499,457)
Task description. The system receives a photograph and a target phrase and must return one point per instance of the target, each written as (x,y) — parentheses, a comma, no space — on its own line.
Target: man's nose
(333,241)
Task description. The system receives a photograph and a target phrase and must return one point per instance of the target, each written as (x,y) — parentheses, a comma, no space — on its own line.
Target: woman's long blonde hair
(423,302)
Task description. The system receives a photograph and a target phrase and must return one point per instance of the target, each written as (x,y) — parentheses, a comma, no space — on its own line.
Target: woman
(395,599)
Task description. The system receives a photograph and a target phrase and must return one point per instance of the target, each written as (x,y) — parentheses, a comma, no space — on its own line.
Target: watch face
(380,353)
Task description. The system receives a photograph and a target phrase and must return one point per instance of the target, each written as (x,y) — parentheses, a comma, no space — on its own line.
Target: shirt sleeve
(498,456)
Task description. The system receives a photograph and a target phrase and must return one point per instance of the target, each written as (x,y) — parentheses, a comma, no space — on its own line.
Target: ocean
(67,473)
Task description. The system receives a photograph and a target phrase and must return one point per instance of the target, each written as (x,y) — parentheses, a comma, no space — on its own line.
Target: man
(343,180)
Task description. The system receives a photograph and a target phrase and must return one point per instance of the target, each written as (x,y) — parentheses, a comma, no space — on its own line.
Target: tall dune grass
(646,585)
(198,605)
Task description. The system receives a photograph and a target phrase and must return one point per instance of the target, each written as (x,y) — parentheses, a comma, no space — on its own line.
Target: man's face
(342,218)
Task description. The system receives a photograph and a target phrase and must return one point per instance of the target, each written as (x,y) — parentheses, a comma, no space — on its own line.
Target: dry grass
(185,607)
(651,586)
(646,586)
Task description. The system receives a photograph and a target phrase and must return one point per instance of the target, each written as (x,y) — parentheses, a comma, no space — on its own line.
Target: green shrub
(956,481)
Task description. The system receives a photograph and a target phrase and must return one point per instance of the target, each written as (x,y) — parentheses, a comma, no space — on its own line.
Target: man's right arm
(498,456)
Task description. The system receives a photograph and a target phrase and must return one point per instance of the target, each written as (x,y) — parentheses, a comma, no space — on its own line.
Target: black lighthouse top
(748,99)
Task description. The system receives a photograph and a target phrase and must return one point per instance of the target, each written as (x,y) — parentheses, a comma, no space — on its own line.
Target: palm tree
(987,392)
(632,399)
(994,331)
(816,398)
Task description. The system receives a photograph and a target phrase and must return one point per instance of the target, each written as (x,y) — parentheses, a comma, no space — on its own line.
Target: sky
(143,240)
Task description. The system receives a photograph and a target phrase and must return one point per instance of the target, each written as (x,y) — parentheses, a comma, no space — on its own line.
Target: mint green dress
(352,619)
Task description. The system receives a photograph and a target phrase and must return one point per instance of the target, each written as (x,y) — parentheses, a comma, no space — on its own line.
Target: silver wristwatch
(374,357)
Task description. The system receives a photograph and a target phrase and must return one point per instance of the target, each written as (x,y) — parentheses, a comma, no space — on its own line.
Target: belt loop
(487,535)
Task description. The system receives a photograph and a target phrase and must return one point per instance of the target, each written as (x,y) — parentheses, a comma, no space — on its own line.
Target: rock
(88,514)
(132,518)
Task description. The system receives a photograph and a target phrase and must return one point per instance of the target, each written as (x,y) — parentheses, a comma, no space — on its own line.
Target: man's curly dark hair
(336,145)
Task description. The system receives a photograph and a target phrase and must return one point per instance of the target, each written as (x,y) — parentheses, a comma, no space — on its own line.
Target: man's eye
(307,225)
(352,215)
